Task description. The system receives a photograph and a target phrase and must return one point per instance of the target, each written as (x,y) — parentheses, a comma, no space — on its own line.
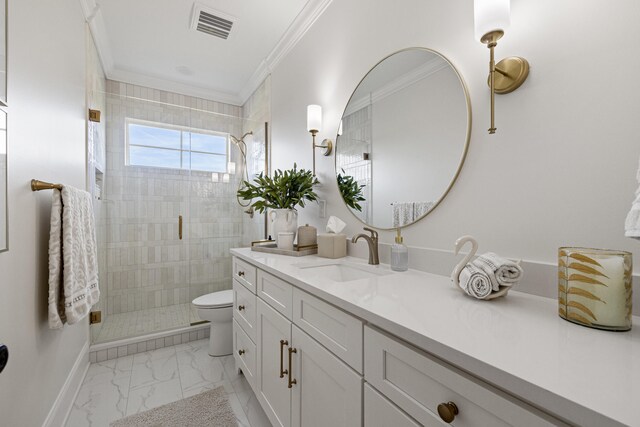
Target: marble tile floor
(120,387)
(142,322)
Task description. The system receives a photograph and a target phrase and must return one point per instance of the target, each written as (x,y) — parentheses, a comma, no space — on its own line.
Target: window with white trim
(175,147)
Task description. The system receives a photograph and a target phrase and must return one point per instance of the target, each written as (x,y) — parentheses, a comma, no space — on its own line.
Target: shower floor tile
(142,322)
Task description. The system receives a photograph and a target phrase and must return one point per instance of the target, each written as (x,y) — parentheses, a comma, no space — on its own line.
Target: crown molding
(402,82)
(95,20)
(298,28)
(173,86)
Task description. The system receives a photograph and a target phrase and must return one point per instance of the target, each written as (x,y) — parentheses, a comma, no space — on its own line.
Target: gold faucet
(372,241)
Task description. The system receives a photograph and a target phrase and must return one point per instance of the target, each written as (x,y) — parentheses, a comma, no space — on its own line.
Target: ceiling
(151,43)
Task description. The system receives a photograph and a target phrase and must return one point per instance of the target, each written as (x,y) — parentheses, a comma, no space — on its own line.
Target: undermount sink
(343,272)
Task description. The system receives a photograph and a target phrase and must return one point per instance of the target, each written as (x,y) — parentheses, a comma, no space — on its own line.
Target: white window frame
(128,121)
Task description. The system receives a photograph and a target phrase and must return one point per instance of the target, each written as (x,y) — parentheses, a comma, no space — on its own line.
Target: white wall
(561,169)
(46,96)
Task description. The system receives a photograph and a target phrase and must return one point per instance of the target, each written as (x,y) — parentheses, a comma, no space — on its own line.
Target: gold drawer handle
(291,381)
(447,411)
(241,273)
(240,352)
(240,307)
(283,344)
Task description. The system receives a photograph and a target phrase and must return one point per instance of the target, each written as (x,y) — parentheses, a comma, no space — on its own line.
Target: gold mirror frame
(464,150)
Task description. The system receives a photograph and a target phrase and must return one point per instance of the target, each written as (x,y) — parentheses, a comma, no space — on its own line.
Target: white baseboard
(64,402)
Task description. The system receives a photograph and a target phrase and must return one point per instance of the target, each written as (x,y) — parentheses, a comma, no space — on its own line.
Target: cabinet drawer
(275,292)
(245,273)
(418,382)
(244,352)
(380,412)
(338,331)
(244,309)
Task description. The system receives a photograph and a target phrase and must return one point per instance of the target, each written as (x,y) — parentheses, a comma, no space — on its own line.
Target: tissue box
(332,245)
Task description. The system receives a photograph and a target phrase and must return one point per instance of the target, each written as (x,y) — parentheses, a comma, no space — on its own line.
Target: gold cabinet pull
(240,307)
(291,381)
(283,344)
(241,273)
(180,227)
(447,411)
(240,352)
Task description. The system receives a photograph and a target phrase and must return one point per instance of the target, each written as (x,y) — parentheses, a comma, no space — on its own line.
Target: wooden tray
(272,248)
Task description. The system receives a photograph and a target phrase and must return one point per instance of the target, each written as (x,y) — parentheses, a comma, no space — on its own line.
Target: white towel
(421,208)
(402,213)
(475,282)
(501,271)
(632,223)
(73,258)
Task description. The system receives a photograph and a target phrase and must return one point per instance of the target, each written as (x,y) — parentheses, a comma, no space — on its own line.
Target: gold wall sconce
(492,18)
(314,125)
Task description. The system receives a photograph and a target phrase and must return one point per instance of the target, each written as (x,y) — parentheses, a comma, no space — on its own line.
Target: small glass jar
(594,287)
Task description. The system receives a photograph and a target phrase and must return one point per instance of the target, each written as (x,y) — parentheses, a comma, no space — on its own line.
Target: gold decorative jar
(594,287)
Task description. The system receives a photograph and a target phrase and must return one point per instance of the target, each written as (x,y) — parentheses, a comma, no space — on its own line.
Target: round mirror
(403,138)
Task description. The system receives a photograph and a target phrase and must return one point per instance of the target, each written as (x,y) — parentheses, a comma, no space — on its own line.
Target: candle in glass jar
(594,287)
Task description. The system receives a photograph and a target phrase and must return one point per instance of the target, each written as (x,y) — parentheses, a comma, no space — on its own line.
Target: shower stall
(166,206)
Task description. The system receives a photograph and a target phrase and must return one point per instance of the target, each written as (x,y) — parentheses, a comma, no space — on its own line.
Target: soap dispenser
(399,255)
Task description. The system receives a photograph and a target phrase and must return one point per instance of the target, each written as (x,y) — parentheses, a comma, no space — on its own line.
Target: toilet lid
(215,300)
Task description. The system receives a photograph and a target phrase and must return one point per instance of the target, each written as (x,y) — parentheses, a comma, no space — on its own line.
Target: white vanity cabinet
(314,364)
(297,379)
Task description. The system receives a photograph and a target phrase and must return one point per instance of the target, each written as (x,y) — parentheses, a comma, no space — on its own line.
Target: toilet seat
(220,299)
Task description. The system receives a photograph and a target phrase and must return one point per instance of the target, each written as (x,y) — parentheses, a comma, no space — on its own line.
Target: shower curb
(140,344)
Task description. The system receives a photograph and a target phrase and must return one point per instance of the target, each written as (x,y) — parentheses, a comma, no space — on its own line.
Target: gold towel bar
(41,185)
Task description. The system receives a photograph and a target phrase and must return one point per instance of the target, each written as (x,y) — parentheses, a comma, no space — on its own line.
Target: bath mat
(210,408)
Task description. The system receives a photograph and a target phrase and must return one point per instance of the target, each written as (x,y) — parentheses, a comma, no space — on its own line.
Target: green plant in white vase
(281,193)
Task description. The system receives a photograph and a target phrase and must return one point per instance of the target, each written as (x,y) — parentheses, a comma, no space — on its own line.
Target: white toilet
(217,308)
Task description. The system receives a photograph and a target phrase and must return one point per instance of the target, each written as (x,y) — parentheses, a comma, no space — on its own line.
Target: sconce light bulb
(214,177)
(314,118)
(491,16)
(225,177)
(231,167)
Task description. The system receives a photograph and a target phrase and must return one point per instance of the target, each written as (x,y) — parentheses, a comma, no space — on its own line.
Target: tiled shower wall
(148,266)
(256,111)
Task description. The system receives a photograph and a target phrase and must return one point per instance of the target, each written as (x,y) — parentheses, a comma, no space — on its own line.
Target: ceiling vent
(211,21)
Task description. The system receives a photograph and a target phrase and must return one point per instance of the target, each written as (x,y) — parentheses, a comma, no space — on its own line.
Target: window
(165,146)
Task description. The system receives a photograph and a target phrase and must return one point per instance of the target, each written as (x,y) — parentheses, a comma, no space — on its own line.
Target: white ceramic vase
(283,220)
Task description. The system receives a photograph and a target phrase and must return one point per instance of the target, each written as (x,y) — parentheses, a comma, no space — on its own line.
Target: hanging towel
(632,224)
(475,282)
(501,271)
(73,260)
(402,213)
(421,208)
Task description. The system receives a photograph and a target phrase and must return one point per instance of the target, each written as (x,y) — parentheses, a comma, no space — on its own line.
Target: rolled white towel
(501,271)
(475,282)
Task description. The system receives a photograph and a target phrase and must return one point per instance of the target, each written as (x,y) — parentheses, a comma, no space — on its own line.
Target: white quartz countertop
(518,343)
